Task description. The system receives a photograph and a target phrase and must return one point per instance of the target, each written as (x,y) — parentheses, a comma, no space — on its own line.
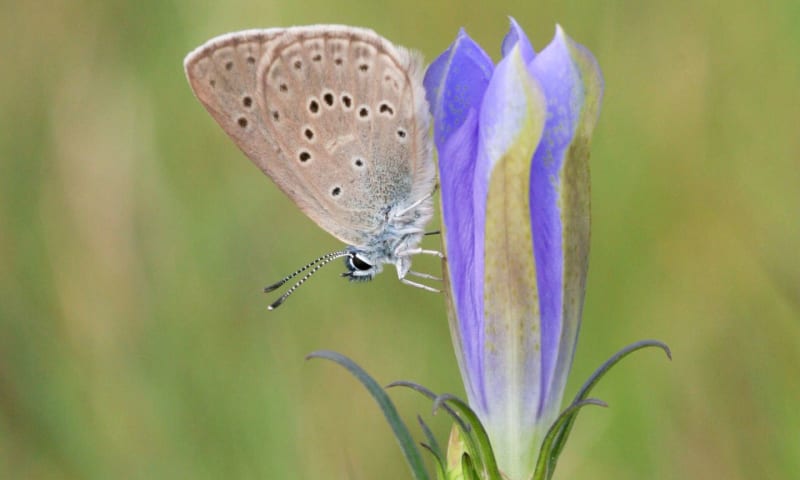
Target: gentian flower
(513,152)
(513,143)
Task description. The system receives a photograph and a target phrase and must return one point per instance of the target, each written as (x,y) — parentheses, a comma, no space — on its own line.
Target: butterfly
(336,116)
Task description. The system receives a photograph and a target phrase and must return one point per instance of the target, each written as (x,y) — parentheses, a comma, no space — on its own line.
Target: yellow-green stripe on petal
(513,167)
(513,117)
(560,205)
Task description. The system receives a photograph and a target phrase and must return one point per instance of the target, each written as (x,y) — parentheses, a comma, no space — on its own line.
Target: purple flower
(513,143)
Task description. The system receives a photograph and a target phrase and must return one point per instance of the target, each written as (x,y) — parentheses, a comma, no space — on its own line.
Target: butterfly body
(394,245)
(336,116)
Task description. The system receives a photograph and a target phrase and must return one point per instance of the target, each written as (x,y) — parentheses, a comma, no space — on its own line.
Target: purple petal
(511,123)
(459,218)
(516,36)
(560,270)
(455,84)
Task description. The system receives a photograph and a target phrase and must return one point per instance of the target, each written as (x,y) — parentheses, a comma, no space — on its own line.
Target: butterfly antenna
(317,264)
(327,256)
(435,232)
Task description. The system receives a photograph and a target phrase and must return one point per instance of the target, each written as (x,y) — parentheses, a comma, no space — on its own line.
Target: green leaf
(441,471)
(484,455)
(433,447)
(468,468)
(401,433)
(544,467)
(469,437)
(432,396)
(471,428)
(587,387)
(431,438)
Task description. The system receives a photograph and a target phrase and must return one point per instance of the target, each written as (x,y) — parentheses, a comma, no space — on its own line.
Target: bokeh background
(135,239)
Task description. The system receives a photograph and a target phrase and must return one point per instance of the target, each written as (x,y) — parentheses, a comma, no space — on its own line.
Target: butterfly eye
(359,264)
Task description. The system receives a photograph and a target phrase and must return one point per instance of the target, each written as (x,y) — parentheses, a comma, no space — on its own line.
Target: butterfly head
(360,265)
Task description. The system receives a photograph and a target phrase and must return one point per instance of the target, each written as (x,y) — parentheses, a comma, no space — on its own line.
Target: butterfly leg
(417,251)
(424,275)
(419,285)
(409,231)
(416,204)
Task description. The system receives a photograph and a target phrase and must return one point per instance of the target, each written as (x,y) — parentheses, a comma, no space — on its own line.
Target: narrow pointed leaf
(587,387)
(441,472)
(432,444)
(544,468)
(484,455)
(468,468)
(432,396)
(401,433)
(466,429)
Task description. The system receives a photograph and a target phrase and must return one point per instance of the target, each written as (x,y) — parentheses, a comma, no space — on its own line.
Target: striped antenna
(327,256)
(316,264)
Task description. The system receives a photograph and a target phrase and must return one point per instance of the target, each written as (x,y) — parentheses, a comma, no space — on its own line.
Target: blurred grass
(135,238)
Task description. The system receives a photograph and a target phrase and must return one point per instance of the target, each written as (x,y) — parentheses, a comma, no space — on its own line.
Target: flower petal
(513,165)
(455,85)
(511,123)
(457,169)
(516,36)
(559,204)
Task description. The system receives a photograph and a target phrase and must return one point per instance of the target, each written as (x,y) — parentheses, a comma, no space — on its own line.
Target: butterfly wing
(223,75)
(335,115)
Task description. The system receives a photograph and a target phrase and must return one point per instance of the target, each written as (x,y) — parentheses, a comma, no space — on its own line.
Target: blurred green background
(135,239)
